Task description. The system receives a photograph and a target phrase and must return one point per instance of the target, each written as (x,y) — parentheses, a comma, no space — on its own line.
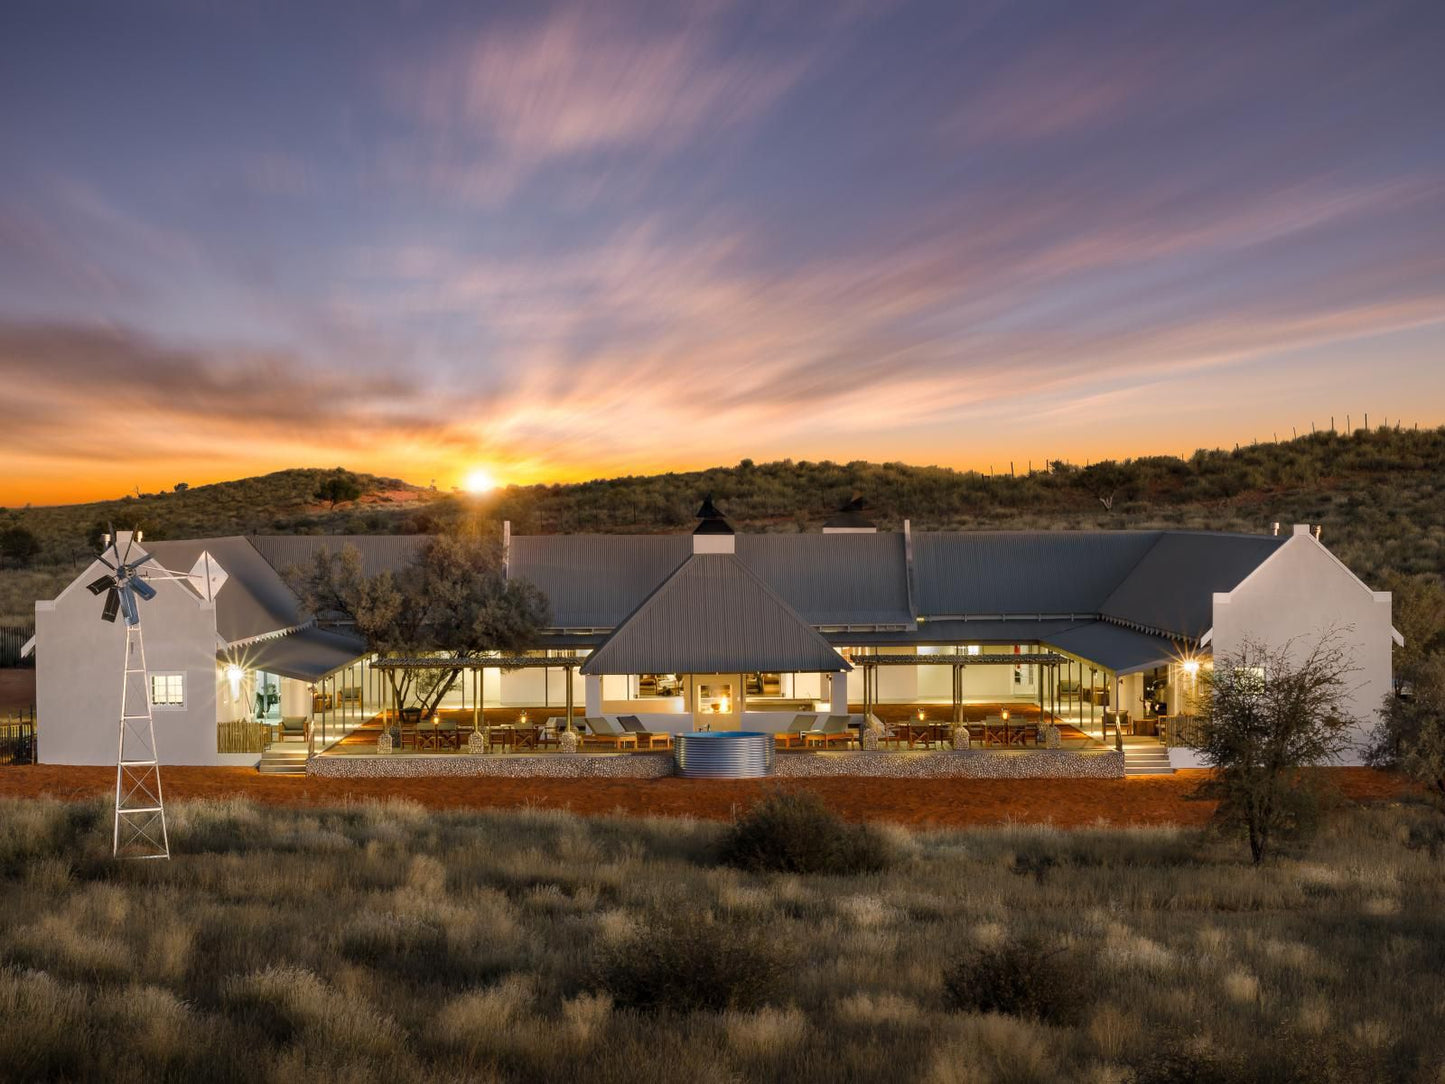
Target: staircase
(1146,757)
(283,758)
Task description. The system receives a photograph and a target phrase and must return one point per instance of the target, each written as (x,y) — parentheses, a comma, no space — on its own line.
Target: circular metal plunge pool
(723,754)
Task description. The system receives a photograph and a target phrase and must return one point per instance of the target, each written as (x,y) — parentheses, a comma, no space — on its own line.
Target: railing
(242,736)
(12,639)
(17,738)
(1181,731)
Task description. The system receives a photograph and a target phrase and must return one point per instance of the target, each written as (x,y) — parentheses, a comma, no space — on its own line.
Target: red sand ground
(928,802)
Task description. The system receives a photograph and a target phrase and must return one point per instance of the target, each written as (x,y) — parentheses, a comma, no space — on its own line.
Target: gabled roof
(1173,585)
(379,552)
(713,616)
(595,580)
(1022,572)
(833,579)
(254,600)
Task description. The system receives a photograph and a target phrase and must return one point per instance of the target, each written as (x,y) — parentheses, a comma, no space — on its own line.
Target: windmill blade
(101,558)
(129,542)
(128,606)
(112,604)
(101,584)
(140,587)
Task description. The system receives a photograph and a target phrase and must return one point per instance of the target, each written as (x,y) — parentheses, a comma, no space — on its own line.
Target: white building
(1117,619)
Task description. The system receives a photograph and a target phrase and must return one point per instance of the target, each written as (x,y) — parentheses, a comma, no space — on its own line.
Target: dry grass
(387,942)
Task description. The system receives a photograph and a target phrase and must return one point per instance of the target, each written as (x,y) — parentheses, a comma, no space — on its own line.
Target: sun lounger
(830,730)
(793,733)
(606,732)
(633,725)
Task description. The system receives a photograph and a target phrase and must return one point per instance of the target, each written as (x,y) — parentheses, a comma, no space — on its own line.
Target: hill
(1377,495)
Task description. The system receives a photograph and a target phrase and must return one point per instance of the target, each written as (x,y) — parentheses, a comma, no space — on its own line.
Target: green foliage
(794,832)
(453,601)
(1411,734)
(1025,978)
(18,545)
(685,964)
(1267,713)
(340,485)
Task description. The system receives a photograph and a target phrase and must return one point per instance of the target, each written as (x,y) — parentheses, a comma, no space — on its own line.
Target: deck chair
(793,733)
(605,732)
(830,730)
(633,725)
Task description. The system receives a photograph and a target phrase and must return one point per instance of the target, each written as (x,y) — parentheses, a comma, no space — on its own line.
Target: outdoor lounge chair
(830,729)
(605,732)
(793,733)
(633,725)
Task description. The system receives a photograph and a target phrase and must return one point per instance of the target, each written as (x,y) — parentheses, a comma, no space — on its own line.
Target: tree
(18,544)
(1411,734)
(1103,481)
(453,603)
(181,487)
(1266,714)
(340,485)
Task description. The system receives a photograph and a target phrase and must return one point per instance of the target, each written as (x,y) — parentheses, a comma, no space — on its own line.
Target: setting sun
(479,481)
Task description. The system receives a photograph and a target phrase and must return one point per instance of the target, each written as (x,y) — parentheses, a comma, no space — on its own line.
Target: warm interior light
(1004,714)
(479,480)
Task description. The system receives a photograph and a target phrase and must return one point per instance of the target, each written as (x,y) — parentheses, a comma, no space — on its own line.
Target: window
(168,690)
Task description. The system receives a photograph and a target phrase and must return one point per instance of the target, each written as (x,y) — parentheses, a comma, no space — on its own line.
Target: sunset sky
(565,241)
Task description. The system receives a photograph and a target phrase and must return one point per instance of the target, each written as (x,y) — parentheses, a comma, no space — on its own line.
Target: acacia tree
(452,603)
(1411,734)
(1266,714)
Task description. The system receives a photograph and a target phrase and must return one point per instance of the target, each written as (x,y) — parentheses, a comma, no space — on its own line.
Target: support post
(592,694)
(140,815)
(838,693)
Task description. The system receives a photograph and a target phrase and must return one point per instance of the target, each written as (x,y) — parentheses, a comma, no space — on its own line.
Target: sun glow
(479,481)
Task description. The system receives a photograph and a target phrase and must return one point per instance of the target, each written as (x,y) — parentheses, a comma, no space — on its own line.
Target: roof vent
(713,534)
(850,519)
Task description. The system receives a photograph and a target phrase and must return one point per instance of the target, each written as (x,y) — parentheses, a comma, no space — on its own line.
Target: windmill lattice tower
(140,814)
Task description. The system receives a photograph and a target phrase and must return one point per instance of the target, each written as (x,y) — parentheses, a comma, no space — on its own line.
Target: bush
(691,965)
(796,833)
(1017,978)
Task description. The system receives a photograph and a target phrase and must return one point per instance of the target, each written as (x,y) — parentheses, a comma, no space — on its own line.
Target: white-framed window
(168,690)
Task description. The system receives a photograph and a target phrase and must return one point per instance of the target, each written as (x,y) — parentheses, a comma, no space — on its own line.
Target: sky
(562,241)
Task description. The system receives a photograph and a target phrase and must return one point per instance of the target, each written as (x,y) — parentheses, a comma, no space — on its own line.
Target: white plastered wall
(1298,595)
(79,665)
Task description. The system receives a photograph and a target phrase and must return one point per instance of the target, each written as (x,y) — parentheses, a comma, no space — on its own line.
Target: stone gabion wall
(967,764)
(551,766)
(964,764)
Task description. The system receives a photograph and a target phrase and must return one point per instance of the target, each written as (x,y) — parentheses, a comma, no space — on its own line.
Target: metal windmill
(140,816)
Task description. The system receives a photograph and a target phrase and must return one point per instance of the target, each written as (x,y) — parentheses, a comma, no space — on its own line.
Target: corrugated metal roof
(306,655)
(253,601)
(1119,649)
(959,632)
(1022,572)
(379,552)
(1172,587)
(833,579)
(713,615)
(595,580)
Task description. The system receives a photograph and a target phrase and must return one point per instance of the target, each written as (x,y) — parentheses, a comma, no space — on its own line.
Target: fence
(242,736)
(12,639)
(1181,731)
(17,737)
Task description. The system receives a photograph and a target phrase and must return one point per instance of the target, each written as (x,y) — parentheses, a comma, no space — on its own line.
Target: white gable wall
(79,665)
(1298,594)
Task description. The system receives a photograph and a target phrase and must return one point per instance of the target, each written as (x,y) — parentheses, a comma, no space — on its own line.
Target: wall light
(233,675)
(1191,667)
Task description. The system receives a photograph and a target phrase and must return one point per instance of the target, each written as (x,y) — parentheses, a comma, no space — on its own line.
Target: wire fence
(12,639)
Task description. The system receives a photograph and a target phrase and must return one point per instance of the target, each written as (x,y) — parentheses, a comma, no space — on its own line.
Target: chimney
(713,534)
(850,519)
(1318,528)
(1274,528)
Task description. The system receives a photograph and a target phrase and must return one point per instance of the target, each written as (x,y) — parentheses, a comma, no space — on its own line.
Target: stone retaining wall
(520,766)
(965,764)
